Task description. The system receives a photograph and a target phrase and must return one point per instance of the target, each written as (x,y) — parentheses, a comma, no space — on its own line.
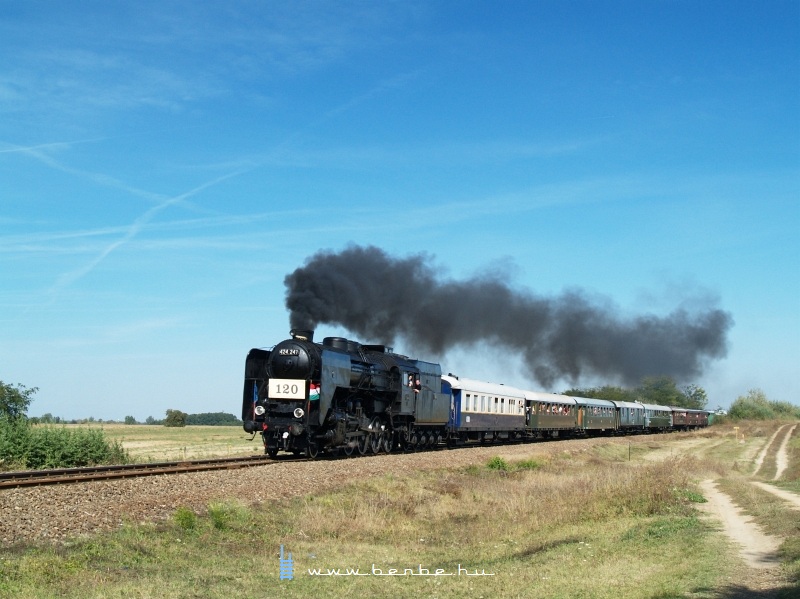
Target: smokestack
(380,298)
(302,334)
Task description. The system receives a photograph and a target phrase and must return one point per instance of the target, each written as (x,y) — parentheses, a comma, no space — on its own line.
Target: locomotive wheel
(363,444)
(388,442)
(312,451)
(375,442)
(272,451)
(348,450)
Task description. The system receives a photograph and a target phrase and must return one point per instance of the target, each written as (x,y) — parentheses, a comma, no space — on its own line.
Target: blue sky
(164,165)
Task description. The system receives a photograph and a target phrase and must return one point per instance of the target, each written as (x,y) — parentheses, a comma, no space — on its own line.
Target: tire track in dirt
(785,495)
(782,459)
(763,453)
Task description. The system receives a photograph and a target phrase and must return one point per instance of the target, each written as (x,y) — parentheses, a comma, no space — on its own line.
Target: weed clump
(498,463)
(185,518)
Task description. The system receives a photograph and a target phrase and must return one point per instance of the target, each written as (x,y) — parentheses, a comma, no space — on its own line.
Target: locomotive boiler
(339,395)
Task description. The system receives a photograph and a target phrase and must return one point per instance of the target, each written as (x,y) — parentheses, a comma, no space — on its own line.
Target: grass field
(616,522)
(157,443)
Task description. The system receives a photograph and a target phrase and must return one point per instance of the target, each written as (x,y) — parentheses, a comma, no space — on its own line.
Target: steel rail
(27,478)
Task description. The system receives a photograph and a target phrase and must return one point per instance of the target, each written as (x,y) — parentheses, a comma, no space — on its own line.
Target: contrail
(132,230)
(380,298)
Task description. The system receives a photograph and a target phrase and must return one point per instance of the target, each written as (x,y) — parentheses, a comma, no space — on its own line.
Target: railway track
(61,476)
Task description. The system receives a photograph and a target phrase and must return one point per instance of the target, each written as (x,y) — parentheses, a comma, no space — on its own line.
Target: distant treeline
(181,419)
(213,419)
(659,390)
(178,418)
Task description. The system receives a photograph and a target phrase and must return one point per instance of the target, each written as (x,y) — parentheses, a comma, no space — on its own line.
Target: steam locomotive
(343,396)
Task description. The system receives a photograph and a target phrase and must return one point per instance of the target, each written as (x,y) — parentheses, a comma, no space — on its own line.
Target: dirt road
(756,548)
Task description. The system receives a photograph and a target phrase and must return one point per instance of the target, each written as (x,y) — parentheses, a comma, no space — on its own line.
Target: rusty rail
(27,478)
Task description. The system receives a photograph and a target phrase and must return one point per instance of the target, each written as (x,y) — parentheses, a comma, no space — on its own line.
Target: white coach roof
(474,386)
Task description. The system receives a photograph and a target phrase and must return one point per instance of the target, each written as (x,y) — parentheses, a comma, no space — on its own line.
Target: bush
(185,518)
(14,441)
(25,447)
(756,406)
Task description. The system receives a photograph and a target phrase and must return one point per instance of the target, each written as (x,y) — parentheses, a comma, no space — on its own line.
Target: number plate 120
(287,389)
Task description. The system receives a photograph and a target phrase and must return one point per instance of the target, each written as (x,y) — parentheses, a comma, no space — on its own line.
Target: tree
(175,418)
(130,420)
(15,400)
(696,397)
(660,390)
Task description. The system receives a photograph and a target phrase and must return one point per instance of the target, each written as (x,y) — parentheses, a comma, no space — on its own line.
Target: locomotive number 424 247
(287,389)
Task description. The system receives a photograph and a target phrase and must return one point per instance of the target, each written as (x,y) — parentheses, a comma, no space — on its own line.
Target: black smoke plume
(380,298)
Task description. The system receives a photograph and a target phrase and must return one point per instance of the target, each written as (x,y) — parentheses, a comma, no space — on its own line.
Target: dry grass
(157,443)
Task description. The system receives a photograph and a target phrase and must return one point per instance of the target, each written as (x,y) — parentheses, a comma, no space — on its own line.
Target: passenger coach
(596,416)
(482,411)
(551,415)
